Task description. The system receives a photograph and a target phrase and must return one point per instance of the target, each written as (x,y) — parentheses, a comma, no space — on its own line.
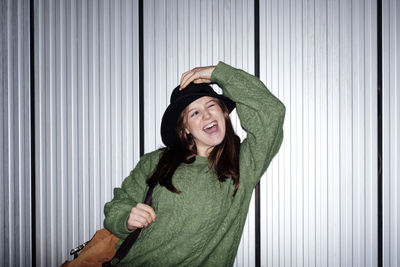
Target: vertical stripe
(15,140)
(257,74)
(32,129)
(141,77)
(390,132)
(380,138)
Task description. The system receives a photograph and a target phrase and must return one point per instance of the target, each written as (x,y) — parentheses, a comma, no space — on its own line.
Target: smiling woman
(205,121)
(197,216)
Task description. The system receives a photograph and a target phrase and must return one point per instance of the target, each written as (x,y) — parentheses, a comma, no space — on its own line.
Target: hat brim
(173,111)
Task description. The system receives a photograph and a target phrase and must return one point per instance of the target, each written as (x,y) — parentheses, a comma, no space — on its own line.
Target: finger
(130,226)
(142,221)
(137,222)
(197,75)
(184,75)
(190,72)
(141,213)
(189,77)
(202,81)
(148,209)
(141,216)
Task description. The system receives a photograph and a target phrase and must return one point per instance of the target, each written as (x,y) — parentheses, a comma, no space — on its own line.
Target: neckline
(200,160)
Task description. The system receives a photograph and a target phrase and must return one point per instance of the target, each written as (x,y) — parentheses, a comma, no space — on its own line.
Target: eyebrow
(211,100)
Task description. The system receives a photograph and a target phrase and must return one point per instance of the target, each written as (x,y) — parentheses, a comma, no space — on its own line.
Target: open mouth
(211,127)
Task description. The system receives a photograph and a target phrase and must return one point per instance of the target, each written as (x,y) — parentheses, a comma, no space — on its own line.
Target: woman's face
(206,123)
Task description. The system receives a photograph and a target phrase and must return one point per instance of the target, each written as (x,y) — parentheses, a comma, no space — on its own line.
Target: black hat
(179,101)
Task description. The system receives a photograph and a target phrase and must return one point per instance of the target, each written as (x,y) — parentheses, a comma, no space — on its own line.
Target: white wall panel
(319,197)
(391,132)
(15,139)
(180,35)
(86,116)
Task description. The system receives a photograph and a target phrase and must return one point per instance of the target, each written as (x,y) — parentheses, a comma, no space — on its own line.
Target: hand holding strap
(130,240)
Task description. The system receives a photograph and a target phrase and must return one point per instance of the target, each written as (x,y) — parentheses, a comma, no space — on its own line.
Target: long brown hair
(224,158)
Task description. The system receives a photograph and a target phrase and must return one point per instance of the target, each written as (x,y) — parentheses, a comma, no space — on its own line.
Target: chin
(215,143)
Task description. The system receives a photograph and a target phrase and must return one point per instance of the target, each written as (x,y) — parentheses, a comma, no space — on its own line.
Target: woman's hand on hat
(196,75)
(140,217)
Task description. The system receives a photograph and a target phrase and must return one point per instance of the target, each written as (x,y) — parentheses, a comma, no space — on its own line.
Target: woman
(206,177)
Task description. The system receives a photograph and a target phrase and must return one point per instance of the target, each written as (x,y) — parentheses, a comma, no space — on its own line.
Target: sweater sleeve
(261,115)
(131,192)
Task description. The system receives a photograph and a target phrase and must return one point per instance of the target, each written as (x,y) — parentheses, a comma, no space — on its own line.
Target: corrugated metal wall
(319,196)
(15,141)
(319,199)
(86,116)
(180,35)
(391,132)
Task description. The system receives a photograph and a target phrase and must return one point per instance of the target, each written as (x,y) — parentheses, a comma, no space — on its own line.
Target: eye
(194,113)
(211,105)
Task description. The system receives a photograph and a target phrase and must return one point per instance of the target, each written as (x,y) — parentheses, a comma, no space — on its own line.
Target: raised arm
(261,115)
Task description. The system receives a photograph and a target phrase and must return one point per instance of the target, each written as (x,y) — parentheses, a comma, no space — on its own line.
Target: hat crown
(200,89)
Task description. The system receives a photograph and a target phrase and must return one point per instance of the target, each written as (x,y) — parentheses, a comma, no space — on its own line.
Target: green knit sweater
(203,225)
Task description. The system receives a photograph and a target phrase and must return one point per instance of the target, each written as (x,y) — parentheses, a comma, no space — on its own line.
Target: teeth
(210,125)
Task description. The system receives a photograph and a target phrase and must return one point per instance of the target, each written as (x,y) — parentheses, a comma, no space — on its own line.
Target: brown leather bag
(101,248)
(100,251)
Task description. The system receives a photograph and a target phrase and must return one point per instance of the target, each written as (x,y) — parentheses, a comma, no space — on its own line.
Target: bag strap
(130,240)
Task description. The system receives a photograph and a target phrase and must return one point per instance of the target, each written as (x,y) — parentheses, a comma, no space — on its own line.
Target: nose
(206,114)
